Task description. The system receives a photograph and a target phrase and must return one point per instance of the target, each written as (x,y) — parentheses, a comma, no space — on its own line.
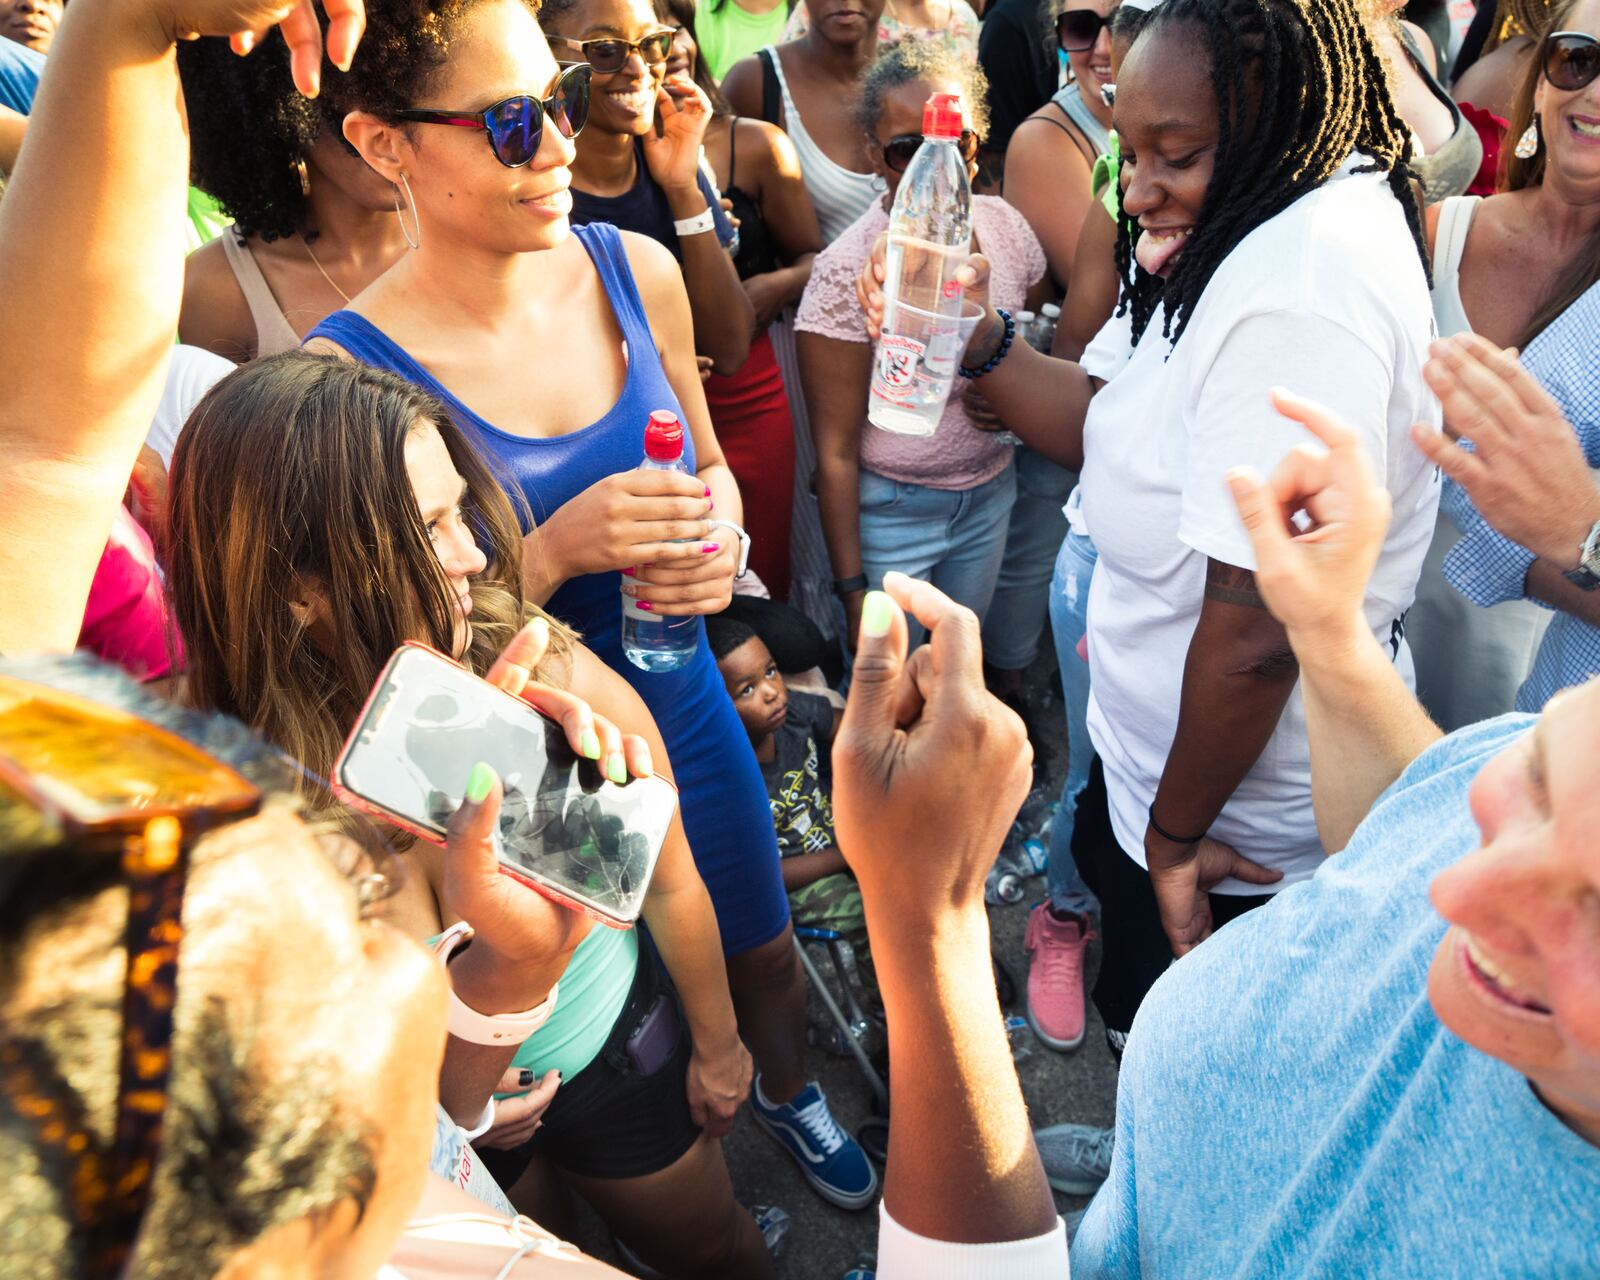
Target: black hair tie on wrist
(1167,835)
(988,366)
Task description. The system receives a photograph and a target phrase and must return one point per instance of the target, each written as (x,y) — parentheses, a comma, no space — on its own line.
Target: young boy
(791,734)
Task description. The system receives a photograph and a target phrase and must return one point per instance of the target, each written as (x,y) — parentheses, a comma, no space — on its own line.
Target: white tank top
(1450,242)
(839,195)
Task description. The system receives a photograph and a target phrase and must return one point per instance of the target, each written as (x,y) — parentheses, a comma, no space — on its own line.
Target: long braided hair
(1300,86)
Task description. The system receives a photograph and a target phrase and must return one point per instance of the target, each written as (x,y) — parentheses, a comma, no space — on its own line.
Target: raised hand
(1526,473)
(672,149)
(926,758)
(1316,527)
(246,22)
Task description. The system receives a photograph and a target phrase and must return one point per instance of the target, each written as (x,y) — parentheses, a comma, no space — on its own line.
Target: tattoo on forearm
(1229,584)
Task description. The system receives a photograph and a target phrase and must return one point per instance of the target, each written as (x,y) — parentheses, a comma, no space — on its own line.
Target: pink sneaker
(1055,976)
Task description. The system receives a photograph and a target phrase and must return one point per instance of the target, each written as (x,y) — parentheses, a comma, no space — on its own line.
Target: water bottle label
(898,358)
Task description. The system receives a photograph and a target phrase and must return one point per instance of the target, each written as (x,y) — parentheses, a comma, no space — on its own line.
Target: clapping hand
(1526,473)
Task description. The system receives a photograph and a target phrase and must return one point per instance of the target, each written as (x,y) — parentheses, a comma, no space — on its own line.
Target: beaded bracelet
(989,365)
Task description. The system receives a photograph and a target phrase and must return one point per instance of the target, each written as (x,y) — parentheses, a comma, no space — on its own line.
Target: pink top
(126,619)
(957,455)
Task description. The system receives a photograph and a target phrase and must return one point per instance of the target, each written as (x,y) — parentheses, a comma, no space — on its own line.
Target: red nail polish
(709,549)
(644,604)
(628,572)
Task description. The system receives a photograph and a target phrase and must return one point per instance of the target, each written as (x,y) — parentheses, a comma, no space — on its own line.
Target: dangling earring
(1528,144)
(299,167)
(413,238)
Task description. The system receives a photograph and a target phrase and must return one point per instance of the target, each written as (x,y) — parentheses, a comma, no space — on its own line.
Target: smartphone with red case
(565,829)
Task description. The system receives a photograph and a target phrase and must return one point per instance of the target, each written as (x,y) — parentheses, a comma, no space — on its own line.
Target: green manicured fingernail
(877,614)
(589,744)
(616,768)
(479,782)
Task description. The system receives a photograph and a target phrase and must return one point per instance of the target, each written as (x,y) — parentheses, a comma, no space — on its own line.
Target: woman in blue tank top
(551,349)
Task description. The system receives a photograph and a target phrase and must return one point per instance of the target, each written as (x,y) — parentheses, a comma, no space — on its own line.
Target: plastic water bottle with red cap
(926,318)
(651,641)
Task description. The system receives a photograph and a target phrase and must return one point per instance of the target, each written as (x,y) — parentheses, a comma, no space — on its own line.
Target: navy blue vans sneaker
(831,1160)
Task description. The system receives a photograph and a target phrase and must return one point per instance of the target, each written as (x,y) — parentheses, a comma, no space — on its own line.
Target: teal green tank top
(593,990)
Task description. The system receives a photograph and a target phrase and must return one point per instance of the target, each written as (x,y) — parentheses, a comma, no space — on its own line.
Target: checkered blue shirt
(1488,567)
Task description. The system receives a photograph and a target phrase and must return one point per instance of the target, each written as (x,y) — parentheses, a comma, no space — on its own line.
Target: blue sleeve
(1485,566)
(20,69)
(725,232)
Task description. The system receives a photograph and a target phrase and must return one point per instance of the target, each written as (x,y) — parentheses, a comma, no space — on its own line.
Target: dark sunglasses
(608,55)
(105,783)
(515,126)
(1078,29)
(897,152)
(1571,60)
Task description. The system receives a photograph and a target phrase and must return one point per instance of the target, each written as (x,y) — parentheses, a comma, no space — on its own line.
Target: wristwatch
(1587,574)
(494,1029)
(744,544)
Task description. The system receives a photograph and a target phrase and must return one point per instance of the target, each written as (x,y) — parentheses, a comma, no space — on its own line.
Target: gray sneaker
(1076,1157)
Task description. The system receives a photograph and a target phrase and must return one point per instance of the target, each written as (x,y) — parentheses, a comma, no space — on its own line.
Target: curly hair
(406,45)
(250,128)
(912,60)
(1323,94)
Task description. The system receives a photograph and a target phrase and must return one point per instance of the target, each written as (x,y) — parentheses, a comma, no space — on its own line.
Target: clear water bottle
(1049,317)
(650,641)
(1028,327)
(930,235)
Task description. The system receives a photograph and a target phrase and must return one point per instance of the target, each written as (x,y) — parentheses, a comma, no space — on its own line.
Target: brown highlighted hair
(291,472)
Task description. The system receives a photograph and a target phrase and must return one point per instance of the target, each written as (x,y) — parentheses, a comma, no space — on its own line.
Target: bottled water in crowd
(1049,317)
(930,235)
(651,641)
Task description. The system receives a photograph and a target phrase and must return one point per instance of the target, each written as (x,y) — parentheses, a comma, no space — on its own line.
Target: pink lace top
(957,455)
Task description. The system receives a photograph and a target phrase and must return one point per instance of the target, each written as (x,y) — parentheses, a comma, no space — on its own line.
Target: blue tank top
(723,797)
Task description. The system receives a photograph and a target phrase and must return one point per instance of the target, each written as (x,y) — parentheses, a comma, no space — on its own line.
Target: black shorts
(609,1121)
(1135,947)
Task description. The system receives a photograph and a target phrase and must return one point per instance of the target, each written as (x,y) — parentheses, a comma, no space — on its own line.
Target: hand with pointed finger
(518,1117)
(1183,876)
(1526,472)
(247,23)
(1316,527)
(930,768)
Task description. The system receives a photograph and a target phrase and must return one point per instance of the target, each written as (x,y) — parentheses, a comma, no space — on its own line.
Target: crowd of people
(335,326)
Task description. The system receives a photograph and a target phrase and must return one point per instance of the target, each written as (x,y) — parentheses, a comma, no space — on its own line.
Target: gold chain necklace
(331,283)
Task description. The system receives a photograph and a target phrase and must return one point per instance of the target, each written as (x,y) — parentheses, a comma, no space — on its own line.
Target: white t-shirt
(1328,299)
(192,373)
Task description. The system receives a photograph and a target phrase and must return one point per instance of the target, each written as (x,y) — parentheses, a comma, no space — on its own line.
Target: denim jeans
(1069,607)
(1016,616)
(953,538)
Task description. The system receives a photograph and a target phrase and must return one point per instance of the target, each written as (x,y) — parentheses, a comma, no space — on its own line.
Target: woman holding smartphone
(551,348)
(375,505)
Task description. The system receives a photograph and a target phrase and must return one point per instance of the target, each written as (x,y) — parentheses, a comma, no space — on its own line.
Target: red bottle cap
(941,116)
(663,437)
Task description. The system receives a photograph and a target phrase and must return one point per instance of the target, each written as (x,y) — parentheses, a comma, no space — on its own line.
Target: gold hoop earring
(299,167)
(413,237)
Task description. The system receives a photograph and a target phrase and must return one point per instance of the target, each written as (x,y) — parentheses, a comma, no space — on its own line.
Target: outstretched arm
(92,236)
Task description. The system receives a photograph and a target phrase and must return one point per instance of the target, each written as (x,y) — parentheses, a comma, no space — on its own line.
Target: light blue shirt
(1290,1106)
(20,69)
(1486,566)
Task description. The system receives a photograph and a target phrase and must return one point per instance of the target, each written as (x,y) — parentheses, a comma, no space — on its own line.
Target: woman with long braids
(1269,237)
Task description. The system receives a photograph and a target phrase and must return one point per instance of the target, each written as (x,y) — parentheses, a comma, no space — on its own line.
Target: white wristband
(697,225)
(493,1029)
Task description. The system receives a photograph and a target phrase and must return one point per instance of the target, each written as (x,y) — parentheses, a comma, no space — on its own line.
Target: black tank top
(758,254)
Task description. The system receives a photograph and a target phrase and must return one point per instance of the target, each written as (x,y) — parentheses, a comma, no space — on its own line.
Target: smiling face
(440,490)
(31,22)
(1518,973)
(623,101)
(1166,122)
(1092,66)
(463,194)
(1570,121)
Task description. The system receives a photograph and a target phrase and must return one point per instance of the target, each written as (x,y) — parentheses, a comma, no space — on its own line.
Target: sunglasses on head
(1078,29)
(897,152)
(81,779)
(607,55)
(1571,60)
(515,126)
